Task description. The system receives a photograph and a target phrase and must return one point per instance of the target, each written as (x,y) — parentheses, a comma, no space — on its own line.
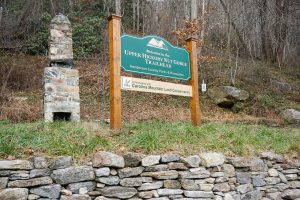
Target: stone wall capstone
(156,177)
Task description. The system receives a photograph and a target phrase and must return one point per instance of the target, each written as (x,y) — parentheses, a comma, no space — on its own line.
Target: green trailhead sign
(155,56)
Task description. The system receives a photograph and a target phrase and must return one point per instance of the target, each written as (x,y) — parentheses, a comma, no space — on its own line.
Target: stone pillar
(61,81)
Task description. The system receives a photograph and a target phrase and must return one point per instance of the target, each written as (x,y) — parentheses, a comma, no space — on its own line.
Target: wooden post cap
(194,39)
(114,16)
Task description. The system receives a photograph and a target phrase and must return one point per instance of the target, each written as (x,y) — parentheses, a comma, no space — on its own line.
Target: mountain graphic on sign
(157,44)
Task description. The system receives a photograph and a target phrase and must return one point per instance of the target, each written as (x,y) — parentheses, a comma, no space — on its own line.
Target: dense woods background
(246,43)
(260,29)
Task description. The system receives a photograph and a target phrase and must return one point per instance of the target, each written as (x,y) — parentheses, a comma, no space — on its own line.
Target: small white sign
(145,85)
(203,86)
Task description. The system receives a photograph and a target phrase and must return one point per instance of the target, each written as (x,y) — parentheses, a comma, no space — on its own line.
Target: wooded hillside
(250,44)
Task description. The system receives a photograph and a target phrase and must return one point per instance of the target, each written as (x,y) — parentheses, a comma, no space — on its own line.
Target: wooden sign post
(150,55)
(114,23)
(194,102)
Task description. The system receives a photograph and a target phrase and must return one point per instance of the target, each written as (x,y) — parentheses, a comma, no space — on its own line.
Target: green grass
(52,139)
(82,139)
(237,139)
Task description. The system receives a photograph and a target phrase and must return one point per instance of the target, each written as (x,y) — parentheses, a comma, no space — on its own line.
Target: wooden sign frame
(114,34)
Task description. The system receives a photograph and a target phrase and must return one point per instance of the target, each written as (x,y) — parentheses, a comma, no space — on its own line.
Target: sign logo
(157,44)
(153,55)
(126,83)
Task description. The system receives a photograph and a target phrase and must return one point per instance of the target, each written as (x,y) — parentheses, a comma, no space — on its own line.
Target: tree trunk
(118,7)
(280,29)
(235,28)
(186,10)
(1,10)
(138,15)
(265,40)
(133,14)
(194,10)
(71,5)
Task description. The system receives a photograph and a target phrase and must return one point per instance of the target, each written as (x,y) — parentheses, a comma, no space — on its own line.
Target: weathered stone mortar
(157,177)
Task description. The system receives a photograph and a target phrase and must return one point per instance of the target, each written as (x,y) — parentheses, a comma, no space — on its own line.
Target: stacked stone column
(61,81)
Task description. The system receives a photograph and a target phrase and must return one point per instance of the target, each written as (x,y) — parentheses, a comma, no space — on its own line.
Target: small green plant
(38,43)
(87,36)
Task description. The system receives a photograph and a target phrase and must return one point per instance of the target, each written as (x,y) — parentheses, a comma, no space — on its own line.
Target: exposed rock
(273,172)
(148,194)
(221,187)
(194,175)
(166,192)
(172,184)
(66,192)
(229,170)
(212,159)
(113,172)
(227,96)
(132,159)
(74,187)
(94,193)
(151,186)
(169,158)
(61,162)
(243,177)
(150,160)
(274,195)
(49,191)
(176,166)
(19,175)
(272,156)
(118,192)
(104,198)
(294,184)
(282,178)
(258,181)
(104,171)
(198,194)
(33,197)
(3,182)
(83,190)
(253,195)
(244,188)
(217,174)
(281,86)
(30,183)
(39,173)
(290,171)
(291,194)
(254,164)
(40,163)
(4,173)
(73,175)
(131,182)
(292,116)
(129,172)
(192,161)
(188,184)
(109,180)
(272,180)
(206,187)
(15,164)
(76,197)
(14,194)
(172,174)
(156,168)
(107,159)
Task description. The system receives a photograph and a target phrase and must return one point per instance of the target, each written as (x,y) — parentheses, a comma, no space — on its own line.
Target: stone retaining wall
(161,177)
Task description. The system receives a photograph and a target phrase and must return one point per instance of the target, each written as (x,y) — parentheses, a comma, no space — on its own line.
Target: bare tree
(118,7)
